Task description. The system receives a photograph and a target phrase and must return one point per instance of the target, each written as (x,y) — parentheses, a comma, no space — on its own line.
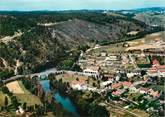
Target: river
(64,101)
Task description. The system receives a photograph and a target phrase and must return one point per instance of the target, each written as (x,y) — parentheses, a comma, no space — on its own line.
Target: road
(133,61)
(44,73)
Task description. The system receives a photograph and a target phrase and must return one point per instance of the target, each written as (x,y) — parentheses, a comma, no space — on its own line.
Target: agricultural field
(15,88)
(148,38)
(141,43)
(29,99)
(22,94)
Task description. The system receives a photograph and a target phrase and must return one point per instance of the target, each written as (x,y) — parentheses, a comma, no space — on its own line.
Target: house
(143,90)
(117,78)
(126,44)
(133,73)
(113,58)
(91,62)
(108,62)
(153,93)
(93,71)
(126,84)
(104,53)
(79,84)
(156,69)
(106,83)
(155,63)
(116,85)
(117,93)
(20,111)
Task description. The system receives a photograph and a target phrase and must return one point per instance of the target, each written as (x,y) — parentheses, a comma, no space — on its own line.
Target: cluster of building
(100,65)
(82,85)
(156,69)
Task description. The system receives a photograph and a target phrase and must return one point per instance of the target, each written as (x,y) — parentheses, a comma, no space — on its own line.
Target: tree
(6,102)
(76,67)
(98,111)
(5,90)
(77,79)
(94,84)
(14,102)
(143,73)
(24,105)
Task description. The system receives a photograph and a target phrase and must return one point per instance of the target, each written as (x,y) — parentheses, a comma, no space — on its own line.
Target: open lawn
(69,78)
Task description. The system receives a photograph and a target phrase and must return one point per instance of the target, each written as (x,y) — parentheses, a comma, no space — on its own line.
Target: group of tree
(13,100)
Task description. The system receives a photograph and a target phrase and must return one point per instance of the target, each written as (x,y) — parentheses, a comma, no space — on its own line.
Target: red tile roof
(126,83)
(116,85)
(116,92)
(155,69)
(155,62)
(144,89)
(162,70)
(161,67)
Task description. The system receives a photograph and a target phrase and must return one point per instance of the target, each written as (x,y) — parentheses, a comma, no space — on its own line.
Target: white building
(103,53)
(113,57)
(79,85)
(106,83)
(93,71)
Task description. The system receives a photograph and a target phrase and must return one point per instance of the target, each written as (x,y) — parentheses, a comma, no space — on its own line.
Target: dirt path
(7,39)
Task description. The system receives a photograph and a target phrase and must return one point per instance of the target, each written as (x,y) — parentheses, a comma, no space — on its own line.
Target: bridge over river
(40,74)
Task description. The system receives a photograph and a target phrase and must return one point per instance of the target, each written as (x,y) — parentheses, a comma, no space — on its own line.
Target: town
(128,76)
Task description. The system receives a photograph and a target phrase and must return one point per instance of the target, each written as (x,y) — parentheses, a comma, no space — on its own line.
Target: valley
(81,64)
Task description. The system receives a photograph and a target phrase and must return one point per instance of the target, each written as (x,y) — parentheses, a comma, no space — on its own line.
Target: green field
(70,78)
(115,48)
(29,99)
(23,88)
